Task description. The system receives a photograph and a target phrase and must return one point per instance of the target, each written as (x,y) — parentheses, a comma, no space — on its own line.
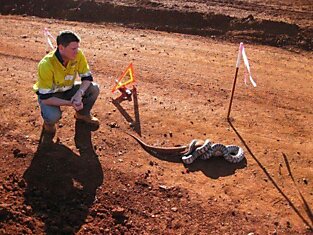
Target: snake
(181,150)
(197,148)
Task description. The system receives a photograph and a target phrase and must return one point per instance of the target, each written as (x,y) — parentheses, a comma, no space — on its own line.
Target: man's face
(70,51)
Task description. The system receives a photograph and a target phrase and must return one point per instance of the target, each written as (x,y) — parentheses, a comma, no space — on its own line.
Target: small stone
(164,187)
(174,209)
(16,152)
(288,224)
(113,125)
(118,211)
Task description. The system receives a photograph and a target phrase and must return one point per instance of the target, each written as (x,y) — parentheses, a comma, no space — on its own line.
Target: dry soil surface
(103,182)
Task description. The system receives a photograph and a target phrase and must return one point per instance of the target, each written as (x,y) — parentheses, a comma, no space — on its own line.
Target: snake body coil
(231,153)
(197,149)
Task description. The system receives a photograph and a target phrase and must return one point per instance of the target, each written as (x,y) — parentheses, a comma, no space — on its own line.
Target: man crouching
(56,84)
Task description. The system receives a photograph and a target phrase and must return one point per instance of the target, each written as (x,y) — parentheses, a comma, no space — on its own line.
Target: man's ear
(61,47)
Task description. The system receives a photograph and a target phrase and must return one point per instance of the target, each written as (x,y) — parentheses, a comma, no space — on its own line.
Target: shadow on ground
(213,168)
(216,167)
(61,185)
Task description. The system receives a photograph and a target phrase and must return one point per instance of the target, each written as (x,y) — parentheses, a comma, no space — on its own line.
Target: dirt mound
(102,182)
(151,15)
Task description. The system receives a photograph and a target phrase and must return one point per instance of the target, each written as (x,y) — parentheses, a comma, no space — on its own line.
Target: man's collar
(58,55)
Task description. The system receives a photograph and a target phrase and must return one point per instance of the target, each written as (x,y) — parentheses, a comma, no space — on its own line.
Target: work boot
(88,119)
(48,133)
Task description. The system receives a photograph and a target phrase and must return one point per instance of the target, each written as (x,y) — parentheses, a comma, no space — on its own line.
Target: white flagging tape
(246,62)
(242,53)
(48,35)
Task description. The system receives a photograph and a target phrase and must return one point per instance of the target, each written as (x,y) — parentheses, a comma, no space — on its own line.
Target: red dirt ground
(103,182)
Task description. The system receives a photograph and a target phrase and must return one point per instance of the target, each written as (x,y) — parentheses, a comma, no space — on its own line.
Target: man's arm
(54,101)
(86,78)
(81,91)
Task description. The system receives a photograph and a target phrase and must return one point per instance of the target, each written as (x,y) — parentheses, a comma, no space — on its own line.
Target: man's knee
(93,90)
(52,117)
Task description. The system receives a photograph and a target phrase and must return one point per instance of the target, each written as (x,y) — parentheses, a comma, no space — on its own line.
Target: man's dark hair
(66,37)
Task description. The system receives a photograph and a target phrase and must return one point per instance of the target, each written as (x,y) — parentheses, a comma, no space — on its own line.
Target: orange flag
(126,78)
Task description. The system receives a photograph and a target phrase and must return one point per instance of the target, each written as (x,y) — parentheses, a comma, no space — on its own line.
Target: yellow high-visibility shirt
(54,77)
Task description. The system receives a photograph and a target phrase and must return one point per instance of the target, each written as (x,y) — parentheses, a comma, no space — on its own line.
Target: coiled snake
(197,149)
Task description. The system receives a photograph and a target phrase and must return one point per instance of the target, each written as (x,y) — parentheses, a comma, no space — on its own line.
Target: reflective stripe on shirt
(51,91)
(85,74)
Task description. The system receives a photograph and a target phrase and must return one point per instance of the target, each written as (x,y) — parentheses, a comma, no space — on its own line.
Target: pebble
(174,209)
(164,187)
(113,125)
(288,224)
(118,211)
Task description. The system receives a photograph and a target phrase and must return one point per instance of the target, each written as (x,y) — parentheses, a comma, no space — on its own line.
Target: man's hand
(78,105)
(77,101)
